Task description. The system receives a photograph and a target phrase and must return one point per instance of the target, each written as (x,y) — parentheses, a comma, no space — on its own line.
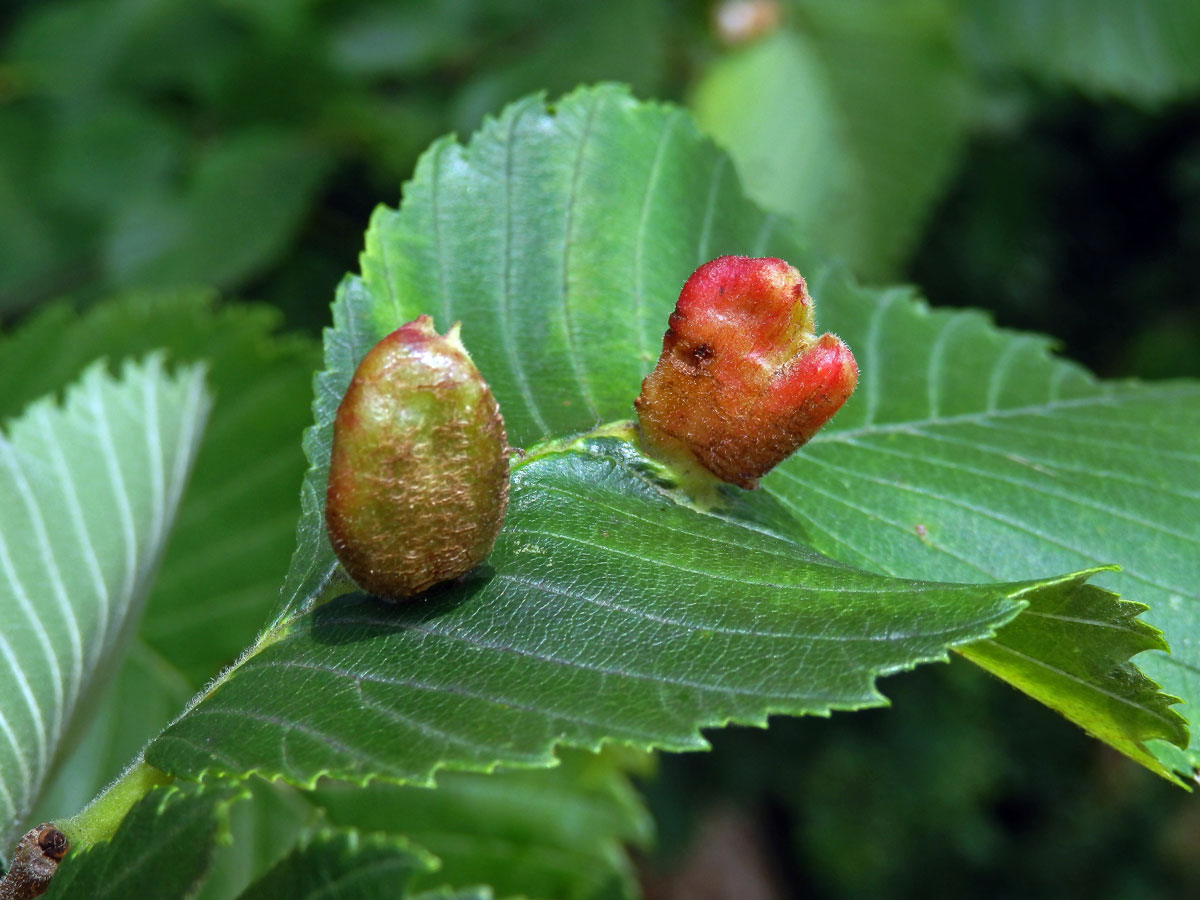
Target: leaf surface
(1073,653)
(606,611)
(599,301)
(544,833)
(263,829)
(1148,53)
(161,850)
(972,454)
(235,527)
(88,493)
(344,864)
(142,697)
(548,833)
(243,205)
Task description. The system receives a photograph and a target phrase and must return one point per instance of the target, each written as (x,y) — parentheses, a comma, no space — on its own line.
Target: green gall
(418,473)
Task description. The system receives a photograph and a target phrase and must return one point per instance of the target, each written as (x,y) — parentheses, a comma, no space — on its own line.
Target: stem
(677,475)
(98,821)
(624,430)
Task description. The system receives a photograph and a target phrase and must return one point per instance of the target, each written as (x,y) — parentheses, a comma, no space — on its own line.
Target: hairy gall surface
(743,381)
(418,475)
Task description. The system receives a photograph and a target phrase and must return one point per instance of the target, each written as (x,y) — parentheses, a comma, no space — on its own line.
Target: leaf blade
(1093,683)
(559,832)
(912,361)
(234,528)
(343,863)
(524,656)
(105,473)
(973,454)
(454,245)
(1145,52)
(184,821)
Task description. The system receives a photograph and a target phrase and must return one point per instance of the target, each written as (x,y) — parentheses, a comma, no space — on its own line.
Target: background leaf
(143,695)
(849,119)
(574,43)
(1147,53)
(262,830)
(235,526)
(344,865)
(559,832)
(102,476)
(551,832)
(161,850)
(244,204)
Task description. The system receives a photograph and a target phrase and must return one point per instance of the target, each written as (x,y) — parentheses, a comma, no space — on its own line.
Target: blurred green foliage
(242,143)
(1040,159)
(959,789)
(1082,222)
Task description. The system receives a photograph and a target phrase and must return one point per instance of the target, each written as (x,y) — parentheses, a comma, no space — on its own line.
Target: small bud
(418,473)
(742,21)
(743,381)
(34,863)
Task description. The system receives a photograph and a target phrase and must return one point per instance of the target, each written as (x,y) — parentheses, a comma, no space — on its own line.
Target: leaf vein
(568,319)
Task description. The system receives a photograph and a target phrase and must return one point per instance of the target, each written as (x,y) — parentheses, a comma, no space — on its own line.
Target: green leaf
(471,893)
(108,151)
(971,454)
(549,833)
(235,528)
(47,46)
(42,246)
(570,43)
(344,865)
(546,833)
(563,320)
(161,850)
(262,831)
(1148,53)
(850,120)
(242,206)
(309,680)
(141,698)
(240,512)
(607,611)
(564,316)
(1073,653)
(88,493)
(398,41)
